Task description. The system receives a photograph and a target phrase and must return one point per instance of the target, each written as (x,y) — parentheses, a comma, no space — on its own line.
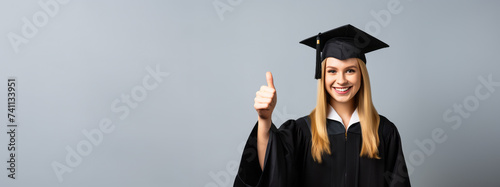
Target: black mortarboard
(342,43)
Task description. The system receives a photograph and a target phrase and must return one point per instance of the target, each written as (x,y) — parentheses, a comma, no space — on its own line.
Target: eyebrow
(353,66)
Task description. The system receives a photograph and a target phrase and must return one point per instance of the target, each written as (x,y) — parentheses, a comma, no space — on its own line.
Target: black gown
(289,163)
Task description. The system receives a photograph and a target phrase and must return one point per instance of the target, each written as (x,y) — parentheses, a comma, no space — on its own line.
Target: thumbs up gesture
(265,99)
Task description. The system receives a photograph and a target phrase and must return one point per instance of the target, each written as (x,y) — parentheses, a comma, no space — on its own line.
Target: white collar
(333,115)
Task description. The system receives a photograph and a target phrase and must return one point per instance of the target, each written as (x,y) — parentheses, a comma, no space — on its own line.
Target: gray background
(189,130)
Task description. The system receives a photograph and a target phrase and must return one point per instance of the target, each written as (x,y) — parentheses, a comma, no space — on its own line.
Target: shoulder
(304,120)
(300,124)
(387,128)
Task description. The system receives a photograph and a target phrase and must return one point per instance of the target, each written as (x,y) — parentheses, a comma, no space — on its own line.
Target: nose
(341,80)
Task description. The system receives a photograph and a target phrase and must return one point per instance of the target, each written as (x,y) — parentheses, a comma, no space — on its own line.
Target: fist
(265,99)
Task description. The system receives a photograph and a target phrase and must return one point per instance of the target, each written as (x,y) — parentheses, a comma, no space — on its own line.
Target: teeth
(342,89)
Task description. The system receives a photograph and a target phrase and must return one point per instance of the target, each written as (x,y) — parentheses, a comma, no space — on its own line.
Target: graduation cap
(342,43)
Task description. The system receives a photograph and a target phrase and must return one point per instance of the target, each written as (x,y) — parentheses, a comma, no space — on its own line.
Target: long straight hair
(368,117)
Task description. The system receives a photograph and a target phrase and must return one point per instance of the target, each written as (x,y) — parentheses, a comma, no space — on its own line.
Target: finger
(262,100)
(261,106)
(264,94)
(269,78)
(258,106)
(267,89)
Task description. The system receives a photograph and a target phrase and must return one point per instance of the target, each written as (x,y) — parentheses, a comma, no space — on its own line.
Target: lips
(342,90)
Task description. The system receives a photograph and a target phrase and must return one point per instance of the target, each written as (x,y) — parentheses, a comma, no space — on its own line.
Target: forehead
(333,62)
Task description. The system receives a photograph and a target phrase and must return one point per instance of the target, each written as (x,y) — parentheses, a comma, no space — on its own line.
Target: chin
(341,100)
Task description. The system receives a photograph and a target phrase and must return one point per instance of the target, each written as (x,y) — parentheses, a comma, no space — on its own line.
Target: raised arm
(265,101)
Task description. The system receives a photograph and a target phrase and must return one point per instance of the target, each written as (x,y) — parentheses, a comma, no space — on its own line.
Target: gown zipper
(345,161)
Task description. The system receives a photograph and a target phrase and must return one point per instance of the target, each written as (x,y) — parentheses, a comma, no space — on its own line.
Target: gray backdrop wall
(160,93)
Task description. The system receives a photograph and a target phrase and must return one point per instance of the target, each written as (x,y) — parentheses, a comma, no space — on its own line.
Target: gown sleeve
(279,167)
(396,173)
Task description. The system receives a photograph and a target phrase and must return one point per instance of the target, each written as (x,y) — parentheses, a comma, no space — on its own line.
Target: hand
(265,99)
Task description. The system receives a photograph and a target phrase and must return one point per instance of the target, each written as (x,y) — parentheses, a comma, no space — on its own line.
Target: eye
(332,71)
(350,71)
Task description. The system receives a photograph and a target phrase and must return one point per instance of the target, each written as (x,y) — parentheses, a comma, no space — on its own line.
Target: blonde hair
(368,117)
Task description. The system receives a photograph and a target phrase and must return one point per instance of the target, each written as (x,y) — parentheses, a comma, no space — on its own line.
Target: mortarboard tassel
(318,58)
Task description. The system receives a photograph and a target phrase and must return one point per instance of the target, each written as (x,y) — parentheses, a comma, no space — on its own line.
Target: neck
(344,109)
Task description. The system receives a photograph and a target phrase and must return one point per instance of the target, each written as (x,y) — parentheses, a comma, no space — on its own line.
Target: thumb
(269,78)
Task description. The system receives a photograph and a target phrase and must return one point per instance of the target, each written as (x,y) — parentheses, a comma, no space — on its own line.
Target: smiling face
(342,80)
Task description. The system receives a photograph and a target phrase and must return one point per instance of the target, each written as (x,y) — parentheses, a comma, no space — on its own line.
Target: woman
(342,142)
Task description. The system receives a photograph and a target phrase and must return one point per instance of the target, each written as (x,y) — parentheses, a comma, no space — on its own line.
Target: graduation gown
(289,163)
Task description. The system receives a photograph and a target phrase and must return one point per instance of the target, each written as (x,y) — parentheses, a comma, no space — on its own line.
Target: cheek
(358,84)
(328,82)
(358,80)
